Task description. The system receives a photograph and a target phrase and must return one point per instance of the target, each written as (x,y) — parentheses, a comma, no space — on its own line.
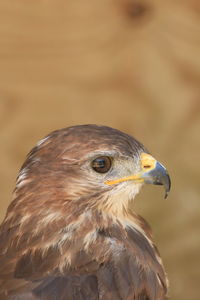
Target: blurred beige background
(133,65)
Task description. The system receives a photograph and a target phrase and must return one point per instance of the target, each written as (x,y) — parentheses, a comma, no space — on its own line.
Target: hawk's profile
(69,233)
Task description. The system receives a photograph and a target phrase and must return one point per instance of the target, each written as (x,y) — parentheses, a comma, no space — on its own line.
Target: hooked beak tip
(158,176)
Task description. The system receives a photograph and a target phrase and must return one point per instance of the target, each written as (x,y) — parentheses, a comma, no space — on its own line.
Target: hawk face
(91,165)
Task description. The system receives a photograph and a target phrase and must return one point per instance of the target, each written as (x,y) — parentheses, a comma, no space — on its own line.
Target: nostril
(146,166)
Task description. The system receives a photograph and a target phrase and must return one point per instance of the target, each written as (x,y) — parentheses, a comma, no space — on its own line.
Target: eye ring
(102,164)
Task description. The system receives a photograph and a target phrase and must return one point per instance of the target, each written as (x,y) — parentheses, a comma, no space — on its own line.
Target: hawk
(69,233)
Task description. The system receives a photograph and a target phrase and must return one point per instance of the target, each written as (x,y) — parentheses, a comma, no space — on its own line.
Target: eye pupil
(101,164)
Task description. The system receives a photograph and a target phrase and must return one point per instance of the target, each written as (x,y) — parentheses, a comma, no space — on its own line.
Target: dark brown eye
(102,164)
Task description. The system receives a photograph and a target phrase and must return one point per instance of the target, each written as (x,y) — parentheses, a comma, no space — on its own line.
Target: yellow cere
(148,163)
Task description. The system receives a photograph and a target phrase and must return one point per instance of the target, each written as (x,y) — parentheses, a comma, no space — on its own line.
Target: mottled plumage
(69,234)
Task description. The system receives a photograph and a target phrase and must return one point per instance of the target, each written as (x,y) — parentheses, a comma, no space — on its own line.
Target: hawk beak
(152,172)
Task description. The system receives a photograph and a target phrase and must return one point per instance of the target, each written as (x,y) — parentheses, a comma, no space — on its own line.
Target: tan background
(133,65)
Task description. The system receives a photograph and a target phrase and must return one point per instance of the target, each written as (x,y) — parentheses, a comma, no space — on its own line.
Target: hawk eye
(102,164)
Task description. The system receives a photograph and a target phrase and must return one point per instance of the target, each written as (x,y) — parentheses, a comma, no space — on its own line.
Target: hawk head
(93,166)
